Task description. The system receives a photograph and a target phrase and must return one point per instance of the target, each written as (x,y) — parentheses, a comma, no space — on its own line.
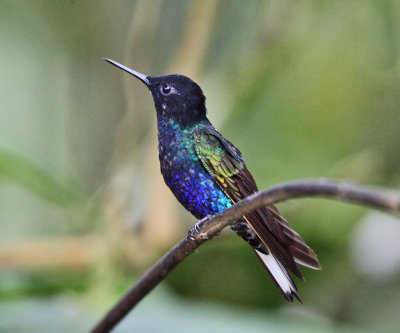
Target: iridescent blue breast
(185,175)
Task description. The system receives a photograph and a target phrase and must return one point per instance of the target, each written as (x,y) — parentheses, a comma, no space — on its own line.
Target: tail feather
(280,275)
(300,251)
(305,258)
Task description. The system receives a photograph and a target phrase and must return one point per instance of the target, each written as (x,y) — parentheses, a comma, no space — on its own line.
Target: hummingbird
(207,174)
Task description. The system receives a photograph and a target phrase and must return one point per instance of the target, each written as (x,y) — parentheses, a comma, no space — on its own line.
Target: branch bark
(383,199)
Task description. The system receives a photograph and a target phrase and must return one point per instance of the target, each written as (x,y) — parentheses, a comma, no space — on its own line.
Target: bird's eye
(166,89)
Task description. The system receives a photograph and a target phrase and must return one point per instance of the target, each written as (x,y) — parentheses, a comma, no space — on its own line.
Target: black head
(176,97)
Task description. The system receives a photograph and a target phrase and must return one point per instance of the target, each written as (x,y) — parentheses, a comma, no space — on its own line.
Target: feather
(283,248)
(279,275)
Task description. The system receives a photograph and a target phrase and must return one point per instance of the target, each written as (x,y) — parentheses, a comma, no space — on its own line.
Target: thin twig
(337,190)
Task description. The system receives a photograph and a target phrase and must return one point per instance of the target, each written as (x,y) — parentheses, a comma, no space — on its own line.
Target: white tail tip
(280,275)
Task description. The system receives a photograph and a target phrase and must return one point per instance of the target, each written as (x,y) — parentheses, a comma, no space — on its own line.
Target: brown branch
(337,190)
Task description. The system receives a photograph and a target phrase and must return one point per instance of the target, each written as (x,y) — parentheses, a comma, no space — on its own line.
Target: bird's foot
(202,222)
(197,228)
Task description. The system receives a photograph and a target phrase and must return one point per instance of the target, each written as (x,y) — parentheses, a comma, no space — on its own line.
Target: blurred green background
(306,89)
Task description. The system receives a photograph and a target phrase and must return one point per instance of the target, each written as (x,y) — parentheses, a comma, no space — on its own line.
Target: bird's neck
(170,128)
(173,135)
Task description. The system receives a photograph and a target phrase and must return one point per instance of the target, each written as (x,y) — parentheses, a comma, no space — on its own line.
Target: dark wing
(224,162)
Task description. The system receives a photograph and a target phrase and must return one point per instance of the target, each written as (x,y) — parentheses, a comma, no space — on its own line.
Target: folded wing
(224,162)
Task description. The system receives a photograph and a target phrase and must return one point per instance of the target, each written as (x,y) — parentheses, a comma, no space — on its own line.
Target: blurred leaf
(20,284)
(18,169)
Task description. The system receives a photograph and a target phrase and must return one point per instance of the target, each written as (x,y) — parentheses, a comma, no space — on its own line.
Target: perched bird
(207,174)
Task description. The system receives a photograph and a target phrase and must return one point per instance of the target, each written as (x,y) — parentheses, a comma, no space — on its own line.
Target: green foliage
(43,183)
(44,282)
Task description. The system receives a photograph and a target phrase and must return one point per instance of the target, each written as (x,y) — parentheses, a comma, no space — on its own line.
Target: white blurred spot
(375,248)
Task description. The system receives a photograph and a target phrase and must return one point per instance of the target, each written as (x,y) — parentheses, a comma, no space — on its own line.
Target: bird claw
(202,222)
(191,234)
(197,228)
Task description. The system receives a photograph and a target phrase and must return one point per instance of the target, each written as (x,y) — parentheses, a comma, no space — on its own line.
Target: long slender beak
(140,76)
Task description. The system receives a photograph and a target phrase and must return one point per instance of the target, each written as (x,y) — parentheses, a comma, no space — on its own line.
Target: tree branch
(338,190)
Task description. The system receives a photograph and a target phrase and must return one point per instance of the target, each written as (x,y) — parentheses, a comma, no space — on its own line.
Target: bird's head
(176,97)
